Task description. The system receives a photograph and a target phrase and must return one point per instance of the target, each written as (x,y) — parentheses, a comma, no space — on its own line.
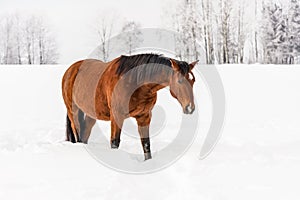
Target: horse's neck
(157,77)
(160,80)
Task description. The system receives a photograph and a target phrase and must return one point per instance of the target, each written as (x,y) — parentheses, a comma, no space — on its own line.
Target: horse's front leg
(116,128)
(143,122)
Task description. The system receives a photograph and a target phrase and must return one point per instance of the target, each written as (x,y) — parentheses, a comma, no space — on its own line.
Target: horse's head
(181,84)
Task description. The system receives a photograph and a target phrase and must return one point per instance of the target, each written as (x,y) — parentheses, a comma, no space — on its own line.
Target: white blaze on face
(189,108)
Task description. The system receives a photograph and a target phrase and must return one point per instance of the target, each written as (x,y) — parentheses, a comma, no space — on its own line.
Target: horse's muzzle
(189,109)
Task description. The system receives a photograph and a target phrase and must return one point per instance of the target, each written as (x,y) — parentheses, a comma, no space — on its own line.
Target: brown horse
(125,87)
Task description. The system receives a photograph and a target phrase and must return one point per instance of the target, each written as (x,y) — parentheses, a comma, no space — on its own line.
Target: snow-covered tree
(241,34)
(26,41)
(46,45)
(223,31)
(207,30)
(275,33)
(7,42)
(188,24)
(293,41)
(30,39)
(229,46)
(227,31)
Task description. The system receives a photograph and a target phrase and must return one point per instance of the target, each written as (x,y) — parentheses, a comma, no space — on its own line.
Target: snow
(258,156)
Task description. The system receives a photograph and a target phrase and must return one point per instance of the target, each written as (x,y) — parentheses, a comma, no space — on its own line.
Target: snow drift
(258,156)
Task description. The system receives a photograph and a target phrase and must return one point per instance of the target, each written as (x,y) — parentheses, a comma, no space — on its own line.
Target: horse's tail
(69,131)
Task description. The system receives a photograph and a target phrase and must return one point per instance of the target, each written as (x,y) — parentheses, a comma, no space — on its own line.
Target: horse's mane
(126,63)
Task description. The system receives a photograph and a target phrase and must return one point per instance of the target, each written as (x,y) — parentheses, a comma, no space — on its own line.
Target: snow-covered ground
(258,156)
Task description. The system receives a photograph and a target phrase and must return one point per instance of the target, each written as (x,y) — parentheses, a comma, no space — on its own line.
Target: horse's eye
(180,81)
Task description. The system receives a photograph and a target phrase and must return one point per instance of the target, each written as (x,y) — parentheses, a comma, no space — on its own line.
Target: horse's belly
(84,91)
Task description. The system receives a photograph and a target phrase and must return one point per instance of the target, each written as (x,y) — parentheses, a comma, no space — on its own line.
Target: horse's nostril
(189,109)
(193,109)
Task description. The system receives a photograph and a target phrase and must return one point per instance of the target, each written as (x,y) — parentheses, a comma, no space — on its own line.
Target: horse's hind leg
(76,118)
(86,130)
(69,131)
(72,134)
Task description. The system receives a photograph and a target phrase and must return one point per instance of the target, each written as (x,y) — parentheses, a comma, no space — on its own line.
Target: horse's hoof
(114,144)
(147,156)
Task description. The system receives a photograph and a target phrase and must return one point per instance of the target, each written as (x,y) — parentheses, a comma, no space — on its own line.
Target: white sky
(73,21)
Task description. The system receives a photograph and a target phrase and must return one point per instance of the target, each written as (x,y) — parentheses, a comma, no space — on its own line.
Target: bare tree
(11,40)
(31,26)
(18,37)
(132,38)
(207,30)
(47,48)
(241,32)
(226,7)
(255,32)
(104,30)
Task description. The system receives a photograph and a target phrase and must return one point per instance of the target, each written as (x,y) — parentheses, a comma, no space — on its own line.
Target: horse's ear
(174,65)
(193,64)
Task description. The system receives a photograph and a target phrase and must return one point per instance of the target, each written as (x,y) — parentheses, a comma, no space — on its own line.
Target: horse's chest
(141,104)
